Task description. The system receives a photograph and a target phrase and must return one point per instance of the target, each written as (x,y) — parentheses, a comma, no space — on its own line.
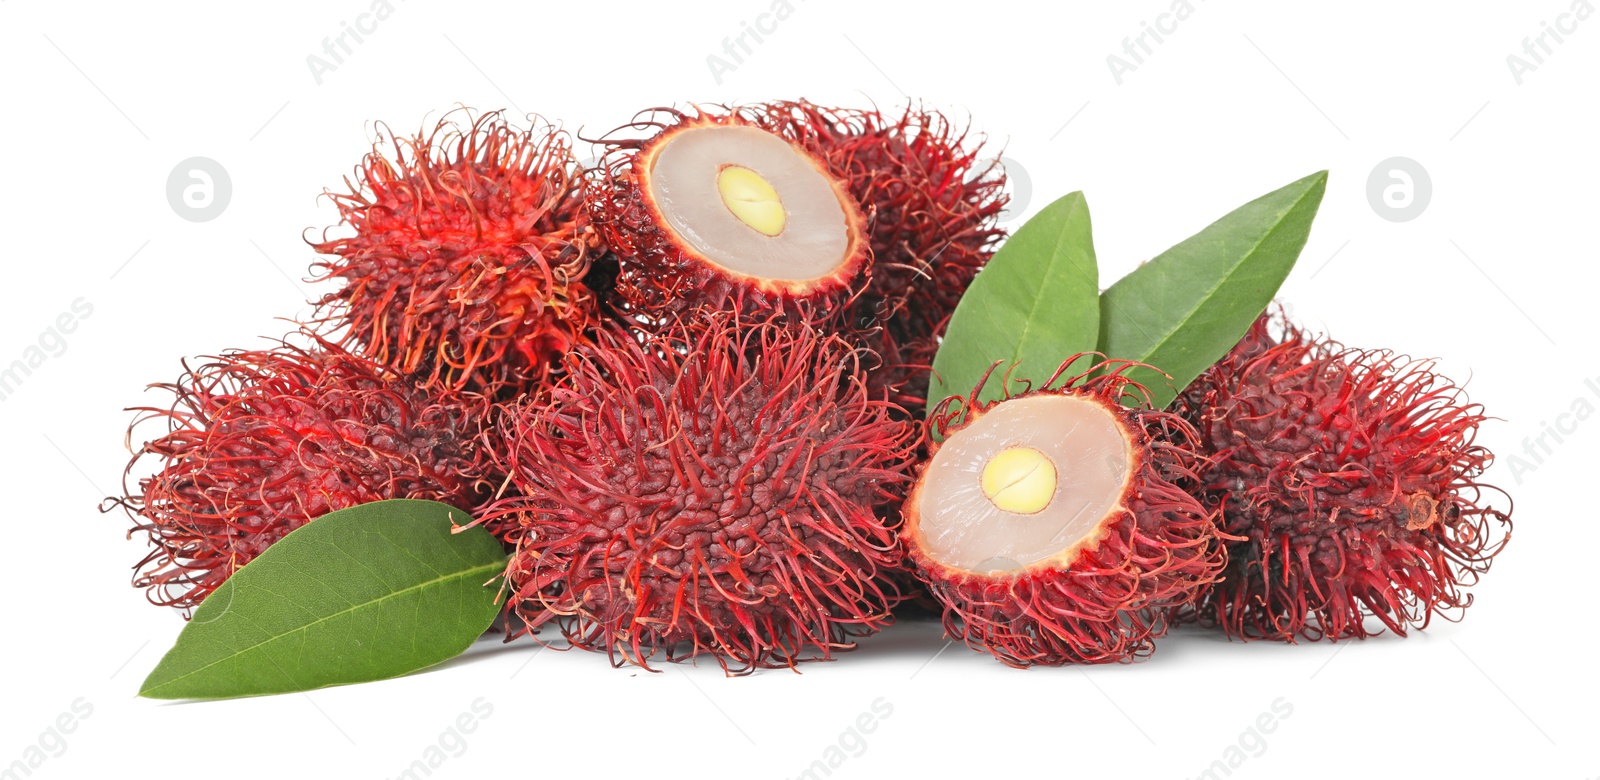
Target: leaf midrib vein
(1179,325)
(1056,254)
(298,630)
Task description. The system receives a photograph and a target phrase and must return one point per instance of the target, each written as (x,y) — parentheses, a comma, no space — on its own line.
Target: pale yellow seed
(752,199)
(1021,480)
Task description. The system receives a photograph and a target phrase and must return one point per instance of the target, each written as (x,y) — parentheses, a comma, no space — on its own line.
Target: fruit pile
(687,389)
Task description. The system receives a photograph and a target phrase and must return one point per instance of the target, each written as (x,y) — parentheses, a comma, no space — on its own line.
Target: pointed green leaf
(366,593)
(1184,310)
(1034,305)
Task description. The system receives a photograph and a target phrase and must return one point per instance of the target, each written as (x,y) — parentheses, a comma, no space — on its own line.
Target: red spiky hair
(660,275)
(712,489)
(1107,599)
(469,252)
(1353,478)
(260,442)
(933,203)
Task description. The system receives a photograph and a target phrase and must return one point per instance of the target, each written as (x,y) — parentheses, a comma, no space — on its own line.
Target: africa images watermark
(336,48)
(1535,48)
(1151,35)
(736,48)
(852,742)
(51,743)
(1252,742)
(1537,449)
(451,743)
(52,343)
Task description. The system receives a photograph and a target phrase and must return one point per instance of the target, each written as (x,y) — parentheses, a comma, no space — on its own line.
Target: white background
(1497,276)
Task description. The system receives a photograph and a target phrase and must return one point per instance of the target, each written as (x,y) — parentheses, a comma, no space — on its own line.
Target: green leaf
(1033,306)
(366,593)
(1184,310)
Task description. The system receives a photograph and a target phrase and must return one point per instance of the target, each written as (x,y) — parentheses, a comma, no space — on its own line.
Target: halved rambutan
(1056,525)
(469,249)
(933,202)
(260,442)
(715,488)
(1352,477)
(708,209)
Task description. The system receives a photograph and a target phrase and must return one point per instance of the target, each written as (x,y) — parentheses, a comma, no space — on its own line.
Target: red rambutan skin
(261,442)
(1352,477)
(660,274)
(933,203)
(1106,600)
(469,252)
(714,489)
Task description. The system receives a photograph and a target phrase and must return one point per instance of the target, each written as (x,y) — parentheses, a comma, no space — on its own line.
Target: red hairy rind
(469,252)
(660,274)
(930,201)
(1353,478)
(1158,548)
(711,489)
(904,366)
(933,205)
(260,442)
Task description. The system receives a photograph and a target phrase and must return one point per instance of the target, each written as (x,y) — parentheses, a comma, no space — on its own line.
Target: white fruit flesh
(781,221)
(1032,479)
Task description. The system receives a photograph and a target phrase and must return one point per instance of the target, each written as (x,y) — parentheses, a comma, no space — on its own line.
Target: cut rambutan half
(716,488)
(1352,477)
(261,442)
(1057,526)
(709,210)
(469,250)
(933,201)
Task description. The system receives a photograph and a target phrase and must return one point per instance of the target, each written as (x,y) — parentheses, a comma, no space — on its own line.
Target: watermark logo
(852,742)
(1021,185)
(335,48)
(198,189)
(452,742)
(51,743)
(1552,434)
(1151,35)
(1535,48)
(1399,189)
(1252,742)
(735,48)
(1018,184)
(52,343)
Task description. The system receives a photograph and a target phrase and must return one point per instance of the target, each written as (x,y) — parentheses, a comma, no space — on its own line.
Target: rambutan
(706,209)
(933,203)
(1352,477)
(1057,525)
(469,252)
(712,488)
(261,442)
(927,200)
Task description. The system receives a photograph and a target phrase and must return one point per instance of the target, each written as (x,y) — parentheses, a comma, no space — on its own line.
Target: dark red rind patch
(712,489)
(1353,477)
(261,442)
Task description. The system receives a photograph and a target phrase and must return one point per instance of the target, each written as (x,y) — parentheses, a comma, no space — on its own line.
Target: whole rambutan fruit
(1352,478)
(715,488)
(933,202)
(469,250)
(707,209)
(1056,525)
(261,442)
